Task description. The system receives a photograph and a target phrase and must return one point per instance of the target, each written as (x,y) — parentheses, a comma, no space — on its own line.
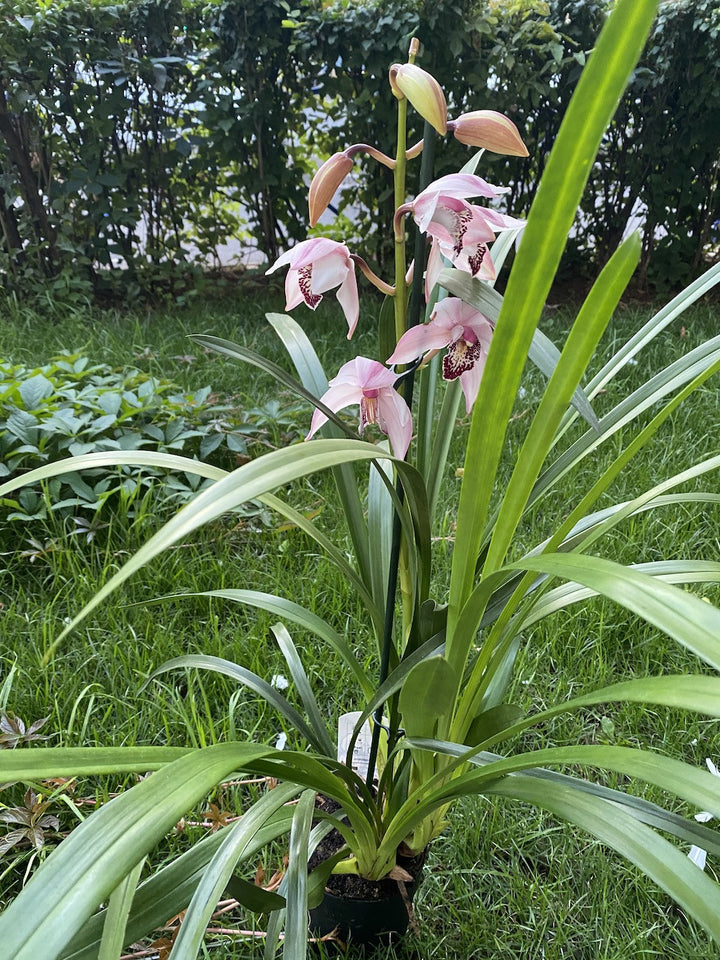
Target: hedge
(133,131)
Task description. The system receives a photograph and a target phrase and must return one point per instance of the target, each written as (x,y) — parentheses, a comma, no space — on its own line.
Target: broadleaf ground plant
(436,705)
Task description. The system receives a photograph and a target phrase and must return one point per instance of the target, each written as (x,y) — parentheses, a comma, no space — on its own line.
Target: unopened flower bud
(325,182)
(422,90)
(490,130)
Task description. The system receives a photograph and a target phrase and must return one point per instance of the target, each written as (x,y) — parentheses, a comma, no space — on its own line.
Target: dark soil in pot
(364,911)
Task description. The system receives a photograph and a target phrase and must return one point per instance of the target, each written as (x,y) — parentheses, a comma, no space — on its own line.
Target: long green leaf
(35,763)
(289,610)
(170,890)
(232,850)
(248,482)
(688,692)
(297,671)
(655,325)
(296,895)
(433,647)
(85,869)
(113,937)
(650,500)
(579,348)
(657,858)
(693,784)
(442,437)
(334,553)
(312,375)
(252,681)
(113,458)
(694,366)
(237,352)
(685,618)
(379,533)
(502,613)
(553,210)
(693,692)
(670,571)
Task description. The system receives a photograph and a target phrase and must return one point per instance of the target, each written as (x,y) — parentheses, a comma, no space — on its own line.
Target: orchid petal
(367,374)
(293,291)
(433,268)
(327,272)
(308,252)
(420,340)
(318,265)
(349,299)
(452,311)
(470,381)
(462,186)
(395,420)
(336,398)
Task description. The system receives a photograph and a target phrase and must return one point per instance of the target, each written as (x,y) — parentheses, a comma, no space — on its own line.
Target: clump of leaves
(33,821)
(14,731)
(69,407)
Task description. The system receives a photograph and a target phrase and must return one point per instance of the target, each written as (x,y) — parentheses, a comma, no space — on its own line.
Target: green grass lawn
(504,881)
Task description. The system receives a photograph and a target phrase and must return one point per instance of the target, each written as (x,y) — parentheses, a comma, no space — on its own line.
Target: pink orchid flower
(370,384)
(460,230)
(316,266)
(464,331)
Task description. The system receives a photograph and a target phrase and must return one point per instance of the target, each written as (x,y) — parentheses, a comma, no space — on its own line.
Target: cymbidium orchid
(489,130)
(461,230)
(464,331)
(325,184)
(422,90)
(430,670)
(316,266)
(372,386)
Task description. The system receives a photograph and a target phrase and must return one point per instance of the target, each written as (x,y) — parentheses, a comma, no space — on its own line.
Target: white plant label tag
(361,753)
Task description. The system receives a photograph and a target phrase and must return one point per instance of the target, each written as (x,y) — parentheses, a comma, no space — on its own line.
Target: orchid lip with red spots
(464,331)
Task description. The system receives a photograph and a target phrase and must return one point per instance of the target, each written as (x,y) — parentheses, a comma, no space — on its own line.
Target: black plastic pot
(369,922)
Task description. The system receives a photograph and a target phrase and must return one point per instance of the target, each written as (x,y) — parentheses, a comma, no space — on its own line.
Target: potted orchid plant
(434,722)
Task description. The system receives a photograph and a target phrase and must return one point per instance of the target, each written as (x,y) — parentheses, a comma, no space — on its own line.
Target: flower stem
(400,259)
(372,276)
(413,318)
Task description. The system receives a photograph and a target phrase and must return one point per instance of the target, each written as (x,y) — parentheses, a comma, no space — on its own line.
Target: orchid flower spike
(489,130)
(370,384)
(316,266)
(464,331)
